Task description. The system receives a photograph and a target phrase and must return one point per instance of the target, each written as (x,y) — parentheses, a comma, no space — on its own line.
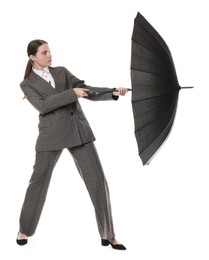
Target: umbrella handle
(112,90)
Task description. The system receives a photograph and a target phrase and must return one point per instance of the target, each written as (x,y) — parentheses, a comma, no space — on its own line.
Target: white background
(160,211)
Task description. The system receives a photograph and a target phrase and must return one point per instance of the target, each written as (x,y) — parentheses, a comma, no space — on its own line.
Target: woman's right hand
(81,92)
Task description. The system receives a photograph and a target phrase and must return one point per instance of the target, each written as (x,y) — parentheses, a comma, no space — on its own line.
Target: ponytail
(28,69)
(32,50)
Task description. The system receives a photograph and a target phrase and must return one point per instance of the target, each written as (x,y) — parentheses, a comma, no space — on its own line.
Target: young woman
(55,93)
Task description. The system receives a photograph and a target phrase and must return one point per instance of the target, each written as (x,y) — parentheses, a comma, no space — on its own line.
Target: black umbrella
(155,88)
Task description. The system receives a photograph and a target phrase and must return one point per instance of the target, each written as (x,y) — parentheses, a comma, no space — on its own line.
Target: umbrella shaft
(104,91)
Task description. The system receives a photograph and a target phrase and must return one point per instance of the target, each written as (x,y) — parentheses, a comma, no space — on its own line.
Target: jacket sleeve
(100,94)
(48,104)
(95,93)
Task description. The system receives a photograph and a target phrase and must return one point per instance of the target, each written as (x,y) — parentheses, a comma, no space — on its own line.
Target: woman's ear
(31,57)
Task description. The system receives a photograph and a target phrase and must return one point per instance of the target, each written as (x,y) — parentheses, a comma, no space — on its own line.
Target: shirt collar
(40,72)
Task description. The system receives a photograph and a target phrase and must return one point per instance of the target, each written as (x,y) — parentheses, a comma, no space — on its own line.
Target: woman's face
(42,58)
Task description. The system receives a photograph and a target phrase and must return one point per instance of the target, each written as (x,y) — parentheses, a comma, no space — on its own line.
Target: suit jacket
(62,123)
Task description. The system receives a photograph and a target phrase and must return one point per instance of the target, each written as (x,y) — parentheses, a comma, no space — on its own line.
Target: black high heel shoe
(21,242)
(106,242)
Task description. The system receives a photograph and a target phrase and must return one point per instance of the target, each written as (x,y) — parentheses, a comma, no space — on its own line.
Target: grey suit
(62,124)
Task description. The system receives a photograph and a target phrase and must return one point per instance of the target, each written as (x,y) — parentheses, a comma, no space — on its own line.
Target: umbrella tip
(187,87)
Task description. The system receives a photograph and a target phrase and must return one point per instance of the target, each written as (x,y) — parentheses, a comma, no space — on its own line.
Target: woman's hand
(120,92)
(81,92)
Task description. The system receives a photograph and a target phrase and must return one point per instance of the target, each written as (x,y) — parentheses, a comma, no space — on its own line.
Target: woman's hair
(32,50)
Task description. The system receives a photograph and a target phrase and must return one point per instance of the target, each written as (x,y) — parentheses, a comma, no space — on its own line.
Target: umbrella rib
(155,118)
(164,45)
(170,58)
(148,72)
(173,117)
(148,48)
(149,98)
(161,113)
(157,137)
(162,95)
(151,31)
(146,59)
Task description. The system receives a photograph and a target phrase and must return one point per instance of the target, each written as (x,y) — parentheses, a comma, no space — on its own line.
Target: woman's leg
(90,169)
(37,191)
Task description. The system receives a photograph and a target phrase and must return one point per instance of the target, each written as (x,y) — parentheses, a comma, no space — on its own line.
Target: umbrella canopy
(155,88)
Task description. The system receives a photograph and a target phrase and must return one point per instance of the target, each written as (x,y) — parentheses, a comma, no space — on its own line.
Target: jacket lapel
(44,87)
(59,78)
(41,85)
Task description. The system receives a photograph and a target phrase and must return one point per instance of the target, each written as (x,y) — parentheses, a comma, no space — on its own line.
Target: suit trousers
(88,164)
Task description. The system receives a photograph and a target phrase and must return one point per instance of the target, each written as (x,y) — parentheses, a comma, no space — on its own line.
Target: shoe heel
(105,242)
(21,242)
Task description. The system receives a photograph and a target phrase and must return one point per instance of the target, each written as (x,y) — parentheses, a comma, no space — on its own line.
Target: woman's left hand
(120,92)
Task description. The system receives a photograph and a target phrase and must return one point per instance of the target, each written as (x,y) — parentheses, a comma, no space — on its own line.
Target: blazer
(62,123)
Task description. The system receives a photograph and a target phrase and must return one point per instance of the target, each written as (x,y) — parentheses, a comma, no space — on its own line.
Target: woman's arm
(99,94)
(50,103)
(92,93)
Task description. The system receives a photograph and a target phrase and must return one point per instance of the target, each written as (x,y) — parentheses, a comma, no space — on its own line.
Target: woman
(54,92)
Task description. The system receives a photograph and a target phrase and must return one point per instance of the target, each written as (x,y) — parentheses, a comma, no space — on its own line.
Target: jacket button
(71,113)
